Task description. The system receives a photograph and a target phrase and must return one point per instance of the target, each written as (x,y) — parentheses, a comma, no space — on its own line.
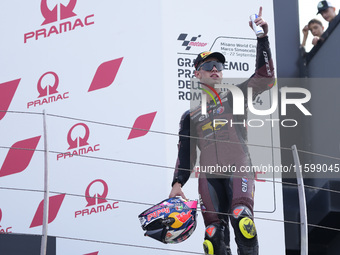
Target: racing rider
(226,197)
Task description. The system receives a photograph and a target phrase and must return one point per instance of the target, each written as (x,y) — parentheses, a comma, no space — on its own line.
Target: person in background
(327,10)
(316,28)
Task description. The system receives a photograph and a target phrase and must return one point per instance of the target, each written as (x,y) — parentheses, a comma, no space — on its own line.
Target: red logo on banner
(3,229)
(93,253)
(49,93)
(142,125)
(53,209)
(19,156)
(97,198)
(78,145)
(52,15)
(79,141)
(105,74)
(48,90)
(98,202)
(7,91)
(191,42)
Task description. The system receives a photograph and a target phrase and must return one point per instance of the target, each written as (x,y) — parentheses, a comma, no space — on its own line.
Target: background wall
(98,69)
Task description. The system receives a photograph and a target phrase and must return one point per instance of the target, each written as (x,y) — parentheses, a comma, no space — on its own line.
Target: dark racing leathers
(224,145)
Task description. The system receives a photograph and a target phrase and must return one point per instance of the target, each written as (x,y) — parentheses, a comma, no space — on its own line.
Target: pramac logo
(48,93)
(79,141)
(98,202)
(52,15)
(4,229)
(190,41)
(48,89)
(59,13)
(97,198)
(78,145)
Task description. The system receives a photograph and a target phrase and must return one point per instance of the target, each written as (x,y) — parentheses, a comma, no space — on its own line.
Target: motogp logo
(189,42)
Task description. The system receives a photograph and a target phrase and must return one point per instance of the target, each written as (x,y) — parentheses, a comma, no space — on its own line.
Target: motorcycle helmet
(171,221)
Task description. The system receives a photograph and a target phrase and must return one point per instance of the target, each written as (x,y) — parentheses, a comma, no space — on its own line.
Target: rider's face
(211,77)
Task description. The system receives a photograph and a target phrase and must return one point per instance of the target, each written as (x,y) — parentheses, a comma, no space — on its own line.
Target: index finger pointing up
(260,12)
